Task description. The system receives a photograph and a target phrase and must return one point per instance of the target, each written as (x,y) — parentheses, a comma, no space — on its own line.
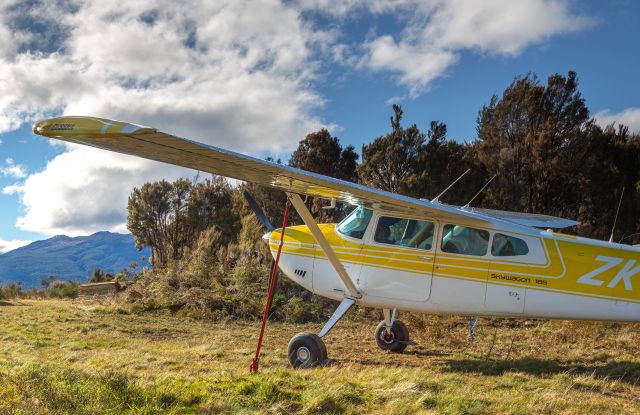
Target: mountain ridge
(69,258)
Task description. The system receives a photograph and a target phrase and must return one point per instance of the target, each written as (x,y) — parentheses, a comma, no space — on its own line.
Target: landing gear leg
(389,318)
(391,334)
(308,350)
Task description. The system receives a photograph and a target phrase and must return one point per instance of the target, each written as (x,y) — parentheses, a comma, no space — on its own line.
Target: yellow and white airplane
(399,253)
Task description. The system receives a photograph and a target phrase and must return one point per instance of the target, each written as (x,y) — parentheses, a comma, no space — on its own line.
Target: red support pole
(272,283)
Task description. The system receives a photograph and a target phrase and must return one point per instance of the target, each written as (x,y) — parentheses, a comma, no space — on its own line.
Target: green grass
(62,357)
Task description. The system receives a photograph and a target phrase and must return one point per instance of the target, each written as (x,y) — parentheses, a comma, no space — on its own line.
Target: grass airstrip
(59,357)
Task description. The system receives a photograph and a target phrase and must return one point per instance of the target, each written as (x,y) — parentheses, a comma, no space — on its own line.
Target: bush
(100,276)
(120,277)
(10,291)
(297,310)
(62,289)
(215,281)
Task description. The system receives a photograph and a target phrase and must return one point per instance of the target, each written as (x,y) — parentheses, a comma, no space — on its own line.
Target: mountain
(69,258)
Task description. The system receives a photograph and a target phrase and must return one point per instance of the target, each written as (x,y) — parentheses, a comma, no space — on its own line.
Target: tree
(100,276)
(551,158)
(416,164)
(169,217)
(440,162)
(210,204)
(604,161)
(149,209)
(390,161)
(321,153)
(48,281)
(523,136)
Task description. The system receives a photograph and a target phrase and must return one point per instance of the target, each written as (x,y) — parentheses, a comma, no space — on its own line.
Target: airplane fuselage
(541,274)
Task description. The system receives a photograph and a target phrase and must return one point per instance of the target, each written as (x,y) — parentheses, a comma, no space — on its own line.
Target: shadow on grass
(428,353)
(12,303)
(628,372)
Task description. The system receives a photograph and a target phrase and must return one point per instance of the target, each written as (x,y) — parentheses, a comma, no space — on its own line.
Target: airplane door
(397,261)
(500,298)
(509,272)
(460,270)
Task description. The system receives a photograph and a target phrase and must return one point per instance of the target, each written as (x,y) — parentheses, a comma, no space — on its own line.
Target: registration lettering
(61,127)
(624,275)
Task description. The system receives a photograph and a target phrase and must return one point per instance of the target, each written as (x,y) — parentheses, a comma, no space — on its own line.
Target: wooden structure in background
(102,288)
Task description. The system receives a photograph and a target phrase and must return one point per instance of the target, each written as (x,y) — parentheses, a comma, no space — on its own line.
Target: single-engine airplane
(399,253)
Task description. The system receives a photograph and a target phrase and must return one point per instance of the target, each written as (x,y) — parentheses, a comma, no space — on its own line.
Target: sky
(257,76)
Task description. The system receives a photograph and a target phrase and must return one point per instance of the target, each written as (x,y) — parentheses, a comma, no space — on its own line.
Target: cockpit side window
(458,239)
(411,233)
(505,245)
(355,225)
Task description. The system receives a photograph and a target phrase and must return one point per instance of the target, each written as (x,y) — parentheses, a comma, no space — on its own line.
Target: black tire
(321,345)
(306,351)
(396,340)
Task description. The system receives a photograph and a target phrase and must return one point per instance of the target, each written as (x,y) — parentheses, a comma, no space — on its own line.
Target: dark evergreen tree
(390,162)
(321,153)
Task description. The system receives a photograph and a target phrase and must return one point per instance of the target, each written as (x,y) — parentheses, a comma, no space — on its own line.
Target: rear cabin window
(411,233)
(505,245)
(356,223)
(458,239)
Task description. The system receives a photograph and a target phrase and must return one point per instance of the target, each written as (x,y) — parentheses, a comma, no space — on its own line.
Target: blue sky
(227,75)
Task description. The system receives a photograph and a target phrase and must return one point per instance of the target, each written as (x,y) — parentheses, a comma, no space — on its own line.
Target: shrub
(215,281)
(10,291)
(62,289)
(120,277)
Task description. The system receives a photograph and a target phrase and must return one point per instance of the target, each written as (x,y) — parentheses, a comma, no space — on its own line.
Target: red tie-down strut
(272,284)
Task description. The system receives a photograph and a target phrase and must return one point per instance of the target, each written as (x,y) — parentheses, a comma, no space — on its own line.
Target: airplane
(394,252)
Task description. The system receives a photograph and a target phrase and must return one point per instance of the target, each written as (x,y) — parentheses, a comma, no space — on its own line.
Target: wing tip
(71,127)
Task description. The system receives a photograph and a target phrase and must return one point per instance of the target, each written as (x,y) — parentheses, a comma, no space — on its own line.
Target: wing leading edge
(155,145)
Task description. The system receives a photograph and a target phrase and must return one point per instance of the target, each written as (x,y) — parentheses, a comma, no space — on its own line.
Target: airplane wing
(527,219)
(155,145)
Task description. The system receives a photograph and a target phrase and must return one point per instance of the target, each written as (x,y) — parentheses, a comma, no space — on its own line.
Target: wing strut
(308,220)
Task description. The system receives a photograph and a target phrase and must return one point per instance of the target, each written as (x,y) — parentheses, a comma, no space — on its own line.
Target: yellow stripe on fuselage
(567,260)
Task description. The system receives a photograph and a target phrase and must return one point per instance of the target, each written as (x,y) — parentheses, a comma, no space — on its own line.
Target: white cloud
(222,73)
(11,169)
(439,30)
(6,246)
(235,73)
(60,200)
(416,66)
(346,8)
(629,117)
(12,189)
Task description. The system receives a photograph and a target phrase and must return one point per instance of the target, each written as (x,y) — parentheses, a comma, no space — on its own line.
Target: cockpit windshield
(356,223)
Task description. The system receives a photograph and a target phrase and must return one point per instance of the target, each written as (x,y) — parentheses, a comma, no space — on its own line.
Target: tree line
(539,141)
(547,154)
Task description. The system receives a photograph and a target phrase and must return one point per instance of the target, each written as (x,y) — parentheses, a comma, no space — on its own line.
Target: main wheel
(306,350)
(395,340)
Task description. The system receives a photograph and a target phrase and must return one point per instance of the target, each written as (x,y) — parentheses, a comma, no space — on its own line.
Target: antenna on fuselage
(437,198)
(478,194)
(615,220)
